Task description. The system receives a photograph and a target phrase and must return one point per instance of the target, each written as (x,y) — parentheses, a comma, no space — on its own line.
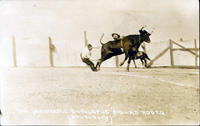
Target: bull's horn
(101,39)
(143,27)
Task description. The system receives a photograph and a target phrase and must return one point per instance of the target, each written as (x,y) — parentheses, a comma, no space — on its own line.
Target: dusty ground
(111,96)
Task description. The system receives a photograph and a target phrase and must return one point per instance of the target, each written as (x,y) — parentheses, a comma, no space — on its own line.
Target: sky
(32,21)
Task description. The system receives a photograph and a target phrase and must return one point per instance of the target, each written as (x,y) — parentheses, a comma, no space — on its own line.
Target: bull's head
(145,35)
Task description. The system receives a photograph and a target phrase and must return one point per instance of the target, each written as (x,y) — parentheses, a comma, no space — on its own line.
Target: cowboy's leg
(87,61)
(91,64)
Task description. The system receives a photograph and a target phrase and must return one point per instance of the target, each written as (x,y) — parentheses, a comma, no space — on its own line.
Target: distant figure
(85,56)
(116,36)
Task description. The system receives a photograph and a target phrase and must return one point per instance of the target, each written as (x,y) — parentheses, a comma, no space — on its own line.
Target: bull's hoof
(121,64)
(98,69)
(127,70)
(147,66)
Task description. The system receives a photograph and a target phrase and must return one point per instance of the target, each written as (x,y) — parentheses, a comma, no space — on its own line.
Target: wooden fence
(51,50)
(193,51)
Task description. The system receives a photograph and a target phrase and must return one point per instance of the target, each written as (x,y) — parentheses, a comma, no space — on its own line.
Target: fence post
(117,61)
(171,53)
(196,52)
(51,48)
(14,52)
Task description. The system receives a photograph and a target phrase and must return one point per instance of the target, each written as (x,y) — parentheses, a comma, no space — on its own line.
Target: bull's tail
(101,39)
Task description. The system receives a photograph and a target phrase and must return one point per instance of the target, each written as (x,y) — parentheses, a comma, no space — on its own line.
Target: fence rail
(193,51)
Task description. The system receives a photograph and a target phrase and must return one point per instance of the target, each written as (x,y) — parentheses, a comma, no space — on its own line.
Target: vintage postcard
(99,62)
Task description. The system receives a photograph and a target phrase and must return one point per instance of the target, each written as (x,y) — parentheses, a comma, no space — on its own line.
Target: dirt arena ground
(110,96)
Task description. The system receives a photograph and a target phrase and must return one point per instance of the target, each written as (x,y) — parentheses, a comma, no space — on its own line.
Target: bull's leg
(142,61)
(145,62)
(126,57)
(134,63)
(103,59)
(133,58)
(98,64)
(129,61)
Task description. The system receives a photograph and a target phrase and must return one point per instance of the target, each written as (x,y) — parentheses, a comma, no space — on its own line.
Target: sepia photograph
(99,62)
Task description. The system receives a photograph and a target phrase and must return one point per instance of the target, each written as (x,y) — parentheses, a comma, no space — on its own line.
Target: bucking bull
(127,44)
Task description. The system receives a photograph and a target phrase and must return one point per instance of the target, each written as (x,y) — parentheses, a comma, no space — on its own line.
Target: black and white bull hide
(128,45)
